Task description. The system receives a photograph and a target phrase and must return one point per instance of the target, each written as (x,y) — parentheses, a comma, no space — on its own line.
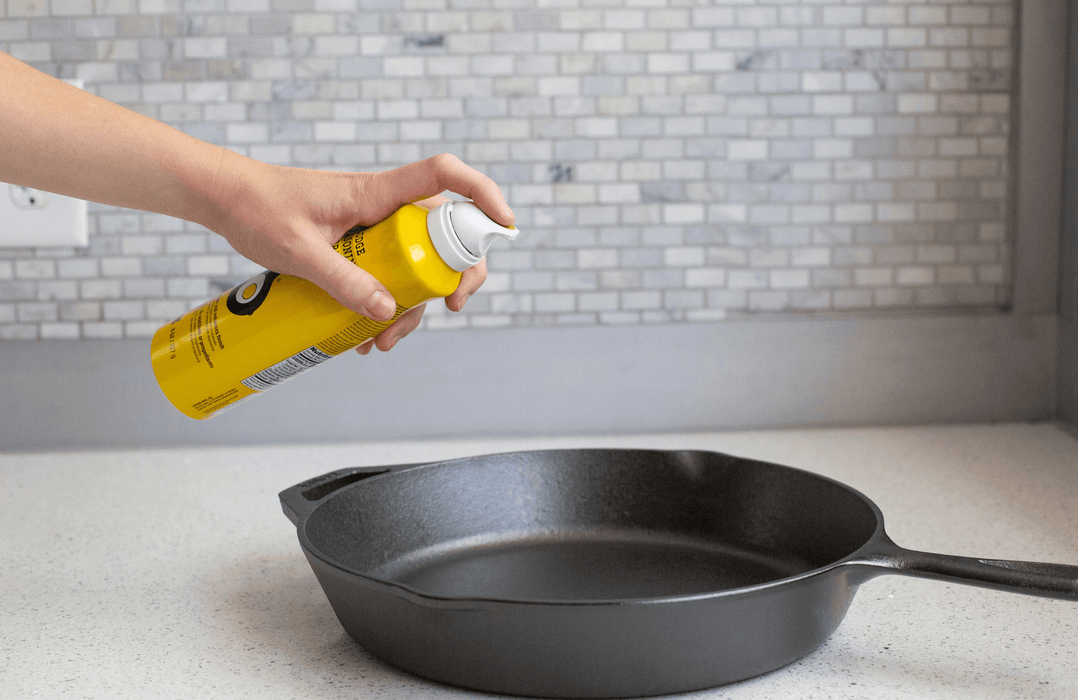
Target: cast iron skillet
(605,573)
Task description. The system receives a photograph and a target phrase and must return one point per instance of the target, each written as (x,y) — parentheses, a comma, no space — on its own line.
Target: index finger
(425,178)
(470,282)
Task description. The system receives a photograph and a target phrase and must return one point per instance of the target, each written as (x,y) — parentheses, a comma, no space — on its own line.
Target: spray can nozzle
(462,233)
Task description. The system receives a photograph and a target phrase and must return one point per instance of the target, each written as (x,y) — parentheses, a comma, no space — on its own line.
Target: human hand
(68,141)
(288,219)
(470,281)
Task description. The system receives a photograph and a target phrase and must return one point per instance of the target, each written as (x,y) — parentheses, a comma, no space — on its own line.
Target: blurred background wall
(737,214)
(669,161)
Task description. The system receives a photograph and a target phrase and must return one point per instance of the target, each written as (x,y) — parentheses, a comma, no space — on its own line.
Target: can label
(286,369)
(273,326)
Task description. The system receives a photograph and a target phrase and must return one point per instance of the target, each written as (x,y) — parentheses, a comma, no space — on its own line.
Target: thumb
(351,286)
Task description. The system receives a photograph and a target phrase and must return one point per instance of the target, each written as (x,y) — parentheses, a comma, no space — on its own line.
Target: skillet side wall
(589,650)
(383,523)
(370,532)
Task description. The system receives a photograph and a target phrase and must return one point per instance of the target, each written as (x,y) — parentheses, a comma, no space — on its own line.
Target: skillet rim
(852,559)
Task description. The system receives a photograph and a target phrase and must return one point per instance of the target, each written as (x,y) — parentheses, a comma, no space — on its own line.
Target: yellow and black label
(273,327)
(245,299)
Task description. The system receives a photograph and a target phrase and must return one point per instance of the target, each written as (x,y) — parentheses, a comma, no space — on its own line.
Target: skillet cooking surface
(586,566)
(583,527)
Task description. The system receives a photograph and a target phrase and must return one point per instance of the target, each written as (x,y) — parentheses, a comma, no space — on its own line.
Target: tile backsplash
(668,160)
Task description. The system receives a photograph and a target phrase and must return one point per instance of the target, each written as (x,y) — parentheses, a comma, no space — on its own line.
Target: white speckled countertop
(173,573)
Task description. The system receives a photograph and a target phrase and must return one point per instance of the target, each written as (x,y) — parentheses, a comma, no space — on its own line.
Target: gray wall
(612,379)
(1068,287)
(668,162)
(667,316)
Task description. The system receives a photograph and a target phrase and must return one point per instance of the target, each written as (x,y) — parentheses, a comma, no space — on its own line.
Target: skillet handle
(299,501)
(1030,578)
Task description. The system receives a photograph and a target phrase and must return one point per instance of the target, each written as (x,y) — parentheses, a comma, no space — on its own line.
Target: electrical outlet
(26,198)
(32,218)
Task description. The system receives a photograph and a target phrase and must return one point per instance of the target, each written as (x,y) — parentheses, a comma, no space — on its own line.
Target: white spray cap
(462,233)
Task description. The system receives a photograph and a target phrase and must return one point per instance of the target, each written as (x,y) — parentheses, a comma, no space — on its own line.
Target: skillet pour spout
(605,573)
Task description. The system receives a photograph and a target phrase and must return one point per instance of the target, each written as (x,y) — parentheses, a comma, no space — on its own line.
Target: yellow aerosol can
(273,327)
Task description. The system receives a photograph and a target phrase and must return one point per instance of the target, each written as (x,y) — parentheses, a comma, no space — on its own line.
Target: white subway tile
(843,16)
(832,104)
(59,331)
(821,81)
(599,301)
(596,127)
(102,330)
(564,85)
(873,277)
(915,276)
(238,133)
(573,193)
(664,63)
(810,214)
(956,275)
(832,149)
(121,267)
(602,41)
(596,258)
(885,15)
(489,65)
(727,213)
(204,47)
(122,311)
(853,213)
(57,290)
(769,214)
(35,269)
(398,153)
(937,211)
(744,149)
(789,279)
(576,20)
(747,279)
(555,303)
(865,38)
(917,104)
(705,277)
(922,14)
(859,170)
(619,193)
(683,213)
(892,212)
(334,131)
(100,289)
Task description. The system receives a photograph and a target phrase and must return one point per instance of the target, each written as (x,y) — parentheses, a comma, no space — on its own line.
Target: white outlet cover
(32,218)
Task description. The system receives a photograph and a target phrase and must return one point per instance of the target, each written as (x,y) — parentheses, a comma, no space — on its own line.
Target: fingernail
(381,307)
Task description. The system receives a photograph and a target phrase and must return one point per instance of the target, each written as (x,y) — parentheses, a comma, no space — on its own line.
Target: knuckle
(477,274)
(444,161)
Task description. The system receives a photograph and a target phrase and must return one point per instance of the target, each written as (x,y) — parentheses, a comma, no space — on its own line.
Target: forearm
(57,138)
(109,154)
